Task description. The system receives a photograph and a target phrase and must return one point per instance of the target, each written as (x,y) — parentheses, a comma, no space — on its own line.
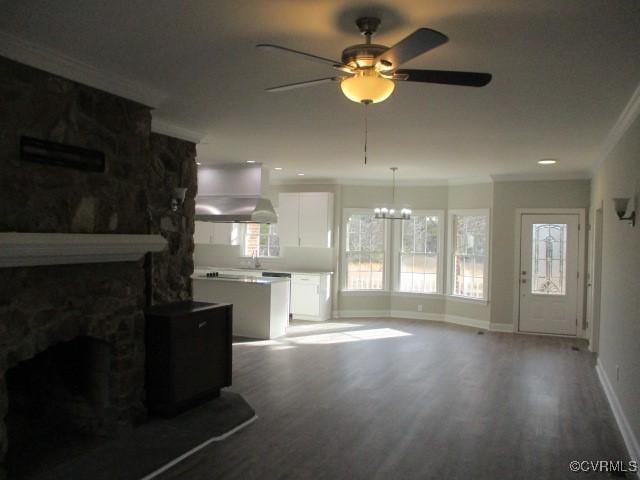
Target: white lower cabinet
(311,296)
(245,273)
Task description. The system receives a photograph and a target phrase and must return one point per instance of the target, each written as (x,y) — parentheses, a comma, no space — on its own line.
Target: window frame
(486,212)
(397,252)
(346,212)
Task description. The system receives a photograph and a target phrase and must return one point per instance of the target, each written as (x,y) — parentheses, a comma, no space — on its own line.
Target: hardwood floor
(401,399)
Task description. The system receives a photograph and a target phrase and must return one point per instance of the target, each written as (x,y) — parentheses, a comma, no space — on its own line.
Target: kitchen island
(260,304)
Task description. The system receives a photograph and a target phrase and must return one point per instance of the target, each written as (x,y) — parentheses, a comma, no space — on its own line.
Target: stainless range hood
(234,193)
(213,208)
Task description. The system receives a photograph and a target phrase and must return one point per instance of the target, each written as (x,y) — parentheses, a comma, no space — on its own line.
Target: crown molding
(543,177)
(624,121)
(352,182)
(469,181)
(44,58)
(159,125)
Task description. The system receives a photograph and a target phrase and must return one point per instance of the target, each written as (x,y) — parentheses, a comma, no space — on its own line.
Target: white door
(549,274)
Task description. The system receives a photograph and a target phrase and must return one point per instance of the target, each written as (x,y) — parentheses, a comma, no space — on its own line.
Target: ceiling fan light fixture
(367,87)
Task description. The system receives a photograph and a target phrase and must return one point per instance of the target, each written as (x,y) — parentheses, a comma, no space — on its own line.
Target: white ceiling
(563,73)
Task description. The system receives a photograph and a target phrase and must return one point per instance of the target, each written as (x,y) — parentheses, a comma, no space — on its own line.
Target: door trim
(594,276)
(580,332)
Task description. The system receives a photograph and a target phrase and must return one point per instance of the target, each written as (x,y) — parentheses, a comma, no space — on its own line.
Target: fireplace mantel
(31,249)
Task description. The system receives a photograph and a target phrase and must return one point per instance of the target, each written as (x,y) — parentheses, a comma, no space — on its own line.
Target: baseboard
(501,327)
(467,321)
(630,440)
(361,314)
(313,318)
(433,317)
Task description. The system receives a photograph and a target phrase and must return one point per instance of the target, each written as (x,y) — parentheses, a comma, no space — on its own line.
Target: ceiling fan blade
(419,42)
(307,83)
(466,79)
(308,56)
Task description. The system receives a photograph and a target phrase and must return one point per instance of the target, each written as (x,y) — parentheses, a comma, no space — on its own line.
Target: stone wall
(40,306)
(172,164)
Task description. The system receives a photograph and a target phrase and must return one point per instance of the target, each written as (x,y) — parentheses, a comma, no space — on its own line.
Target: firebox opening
(58,404)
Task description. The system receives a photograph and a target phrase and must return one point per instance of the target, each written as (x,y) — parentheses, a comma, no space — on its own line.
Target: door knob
(524,272)
(524,280)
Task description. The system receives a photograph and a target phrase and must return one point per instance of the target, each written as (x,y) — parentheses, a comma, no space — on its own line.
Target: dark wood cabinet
(188,354)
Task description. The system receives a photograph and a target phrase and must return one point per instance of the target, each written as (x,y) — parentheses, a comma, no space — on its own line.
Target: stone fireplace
(72,327)
(59,400)
(72,350)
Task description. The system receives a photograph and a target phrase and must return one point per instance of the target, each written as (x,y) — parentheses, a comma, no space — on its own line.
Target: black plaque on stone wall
(51,153)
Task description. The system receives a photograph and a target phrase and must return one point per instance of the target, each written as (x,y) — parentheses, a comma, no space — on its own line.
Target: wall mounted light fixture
(178,198)
(622,205)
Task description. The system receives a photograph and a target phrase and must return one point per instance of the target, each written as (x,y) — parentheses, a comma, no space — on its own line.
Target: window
(469,257)
(419,253)
(549,262)
(261,238)
(364,252)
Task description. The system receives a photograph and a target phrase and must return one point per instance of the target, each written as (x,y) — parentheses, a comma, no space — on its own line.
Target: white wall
(507,197)
(619,346)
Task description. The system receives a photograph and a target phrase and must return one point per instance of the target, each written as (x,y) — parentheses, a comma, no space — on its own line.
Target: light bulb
(367,87)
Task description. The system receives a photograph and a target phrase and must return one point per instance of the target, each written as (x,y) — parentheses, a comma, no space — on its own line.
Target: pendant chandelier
(393,212)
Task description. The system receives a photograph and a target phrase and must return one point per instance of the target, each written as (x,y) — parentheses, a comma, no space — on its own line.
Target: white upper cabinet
(212,233)
(222,233)
(316,219)
(288,212)
(305,219)
(203,232)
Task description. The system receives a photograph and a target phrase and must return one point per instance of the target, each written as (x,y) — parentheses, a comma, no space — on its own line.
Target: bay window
(408,256)
(365,251)
(419,266)
(469,239)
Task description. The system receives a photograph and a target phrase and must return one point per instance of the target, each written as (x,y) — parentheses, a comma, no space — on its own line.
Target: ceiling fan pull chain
(366,131)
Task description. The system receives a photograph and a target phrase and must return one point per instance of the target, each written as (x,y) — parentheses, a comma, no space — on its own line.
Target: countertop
(241,279)
(249,269)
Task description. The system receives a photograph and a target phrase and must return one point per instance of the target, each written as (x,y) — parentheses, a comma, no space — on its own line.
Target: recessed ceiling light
(547,161)
(251,161)
(198,163)
(277,168)
(301,174)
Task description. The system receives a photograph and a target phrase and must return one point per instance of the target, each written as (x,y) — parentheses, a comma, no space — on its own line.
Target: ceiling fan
(372,70)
